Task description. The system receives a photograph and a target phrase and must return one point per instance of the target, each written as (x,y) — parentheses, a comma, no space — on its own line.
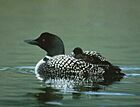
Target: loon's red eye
(43,40)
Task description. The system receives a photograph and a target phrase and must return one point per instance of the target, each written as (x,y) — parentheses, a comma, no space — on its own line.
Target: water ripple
(107,93)
(133,74)
(24,67)
(4,68)
(19,69)
(16,68)
(54,103)
(125,68)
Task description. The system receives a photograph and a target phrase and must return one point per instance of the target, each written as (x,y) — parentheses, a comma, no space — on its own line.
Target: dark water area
(110,27)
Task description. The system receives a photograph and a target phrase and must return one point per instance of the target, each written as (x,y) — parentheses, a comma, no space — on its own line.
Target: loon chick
(79,54)
(94,58)
(57,63)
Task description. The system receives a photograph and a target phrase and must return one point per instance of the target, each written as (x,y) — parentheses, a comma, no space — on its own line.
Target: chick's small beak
(32,42)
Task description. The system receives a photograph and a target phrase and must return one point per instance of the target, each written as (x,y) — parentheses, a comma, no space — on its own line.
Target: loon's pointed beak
(32,42)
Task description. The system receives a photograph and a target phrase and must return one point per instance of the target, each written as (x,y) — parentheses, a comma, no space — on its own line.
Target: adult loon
(81,63)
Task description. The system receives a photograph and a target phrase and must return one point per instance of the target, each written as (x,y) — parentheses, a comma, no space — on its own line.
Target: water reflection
(49,96)
(55,89)
(73,82)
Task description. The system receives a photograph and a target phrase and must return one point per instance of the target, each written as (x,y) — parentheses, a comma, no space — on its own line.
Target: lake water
(110,27)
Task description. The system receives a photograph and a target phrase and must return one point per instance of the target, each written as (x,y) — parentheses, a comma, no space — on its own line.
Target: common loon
(81,63)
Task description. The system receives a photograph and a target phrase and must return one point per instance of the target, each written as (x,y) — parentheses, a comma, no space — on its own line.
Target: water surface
(110,27)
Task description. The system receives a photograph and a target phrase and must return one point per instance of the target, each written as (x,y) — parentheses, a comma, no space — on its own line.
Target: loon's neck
(52,53)
(55,49)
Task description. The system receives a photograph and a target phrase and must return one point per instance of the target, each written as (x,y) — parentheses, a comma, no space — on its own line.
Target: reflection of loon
(53,91)
(71,83)
(56,63)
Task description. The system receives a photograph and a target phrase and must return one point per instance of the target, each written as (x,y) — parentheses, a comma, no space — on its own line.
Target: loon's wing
(96,55)
(97,58)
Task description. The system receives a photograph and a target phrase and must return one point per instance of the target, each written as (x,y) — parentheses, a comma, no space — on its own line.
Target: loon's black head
(77,51)
(51,43)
